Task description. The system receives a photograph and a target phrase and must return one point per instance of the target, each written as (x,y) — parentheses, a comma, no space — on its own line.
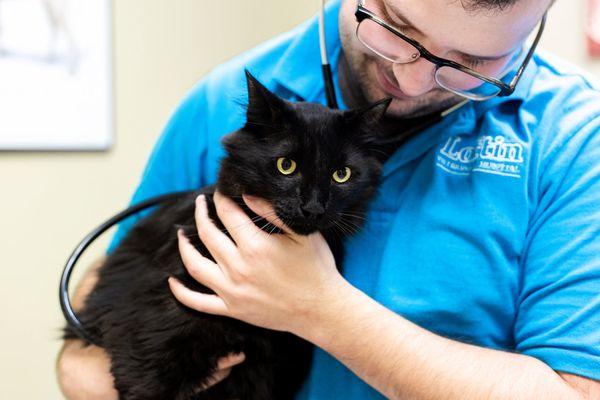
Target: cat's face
(318,167)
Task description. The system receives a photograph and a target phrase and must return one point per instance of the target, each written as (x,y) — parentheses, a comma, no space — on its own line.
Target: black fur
(161,349)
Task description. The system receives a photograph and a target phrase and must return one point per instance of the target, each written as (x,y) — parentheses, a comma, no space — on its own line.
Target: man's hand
(224,369)
(272,281)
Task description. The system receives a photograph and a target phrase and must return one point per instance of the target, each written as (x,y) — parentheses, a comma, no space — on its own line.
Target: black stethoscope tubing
(65,302)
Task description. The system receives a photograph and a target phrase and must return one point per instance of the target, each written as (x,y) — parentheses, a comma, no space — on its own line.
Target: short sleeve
(174,162)
(558,318)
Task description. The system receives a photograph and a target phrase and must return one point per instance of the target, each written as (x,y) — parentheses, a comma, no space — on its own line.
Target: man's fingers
(216,241)
(200,268)
(231,360)
(224,366)
(239,225)
(265,210)
(208,303)
(216,378)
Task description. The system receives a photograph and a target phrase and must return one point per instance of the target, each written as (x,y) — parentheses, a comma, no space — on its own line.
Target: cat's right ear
(264,107)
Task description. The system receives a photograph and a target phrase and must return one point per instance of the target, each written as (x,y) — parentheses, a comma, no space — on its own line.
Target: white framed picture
(56,75)
(593,28)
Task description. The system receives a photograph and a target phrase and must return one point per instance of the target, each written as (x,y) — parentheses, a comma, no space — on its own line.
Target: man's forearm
(404,361)
(84,372)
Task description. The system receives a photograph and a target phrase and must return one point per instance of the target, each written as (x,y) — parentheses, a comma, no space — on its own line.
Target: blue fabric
(486,228)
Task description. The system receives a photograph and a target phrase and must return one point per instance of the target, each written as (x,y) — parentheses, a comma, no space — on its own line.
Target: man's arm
(84,372)
(404,361)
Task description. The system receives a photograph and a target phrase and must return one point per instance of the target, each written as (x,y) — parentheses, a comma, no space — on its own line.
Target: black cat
(318,167)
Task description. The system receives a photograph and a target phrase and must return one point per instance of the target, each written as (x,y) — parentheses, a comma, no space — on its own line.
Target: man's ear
(263,105)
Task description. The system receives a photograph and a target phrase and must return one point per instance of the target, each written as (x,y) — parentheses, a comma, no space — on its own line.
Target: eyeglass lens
(388,45)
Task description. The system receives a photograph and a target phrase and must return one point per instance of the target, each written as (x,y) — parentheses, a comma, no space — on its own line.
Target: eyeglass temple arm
(516,78)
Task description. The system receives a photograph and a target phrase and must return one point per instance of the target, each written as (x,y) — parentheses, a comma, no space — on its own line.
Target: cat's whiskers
(345,232)
(336,232)
(346,214)
(274,228)
(351,228)
(245,224)
(355,227)
(265,227)
(342,229)
(252,220)
(350,219)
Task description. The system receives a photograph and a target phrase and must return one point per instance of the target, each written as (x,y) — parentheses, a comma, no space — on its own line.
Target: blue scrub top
(486,228)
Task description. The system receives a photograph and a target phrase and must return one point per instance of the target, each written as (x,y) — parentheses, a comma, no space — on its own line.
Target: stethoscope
(330,94)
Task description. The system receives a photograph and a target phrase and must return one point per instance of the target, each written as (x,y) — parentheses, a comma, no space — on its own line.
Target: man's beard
(362,87)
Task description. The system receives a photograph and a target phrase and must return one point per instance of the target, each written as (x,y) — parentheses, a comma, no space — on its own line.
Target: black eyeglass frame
(363,13)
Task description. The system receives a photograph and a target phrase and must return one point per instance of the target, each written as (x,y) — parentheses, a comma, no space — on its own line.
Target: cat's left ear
(364,124)
(372,113)
(363,120)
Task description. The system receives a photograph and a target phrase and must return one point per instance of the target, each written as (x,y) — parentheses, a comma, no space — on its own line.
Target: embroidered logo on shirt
(492,155)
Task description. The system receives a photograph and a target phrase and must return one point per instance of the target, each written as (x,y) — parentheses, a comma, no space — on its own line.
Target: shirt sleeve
(174,162)
(558,319)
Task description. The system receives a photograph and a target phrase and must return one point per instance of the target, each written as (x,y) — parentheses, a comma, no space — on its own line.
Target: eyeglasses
(382,39)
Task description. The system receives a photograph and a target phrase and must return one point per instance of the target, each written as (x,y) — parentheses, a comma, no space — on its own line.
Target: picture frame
(56,80)
(593,28)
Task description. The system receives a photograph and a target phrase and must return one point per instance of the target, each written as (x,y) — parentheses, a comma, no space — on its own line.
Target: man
(477,272)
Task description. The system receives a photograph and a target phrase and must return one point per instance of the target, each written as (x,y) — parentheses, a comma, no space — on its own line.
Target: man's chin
(426,104)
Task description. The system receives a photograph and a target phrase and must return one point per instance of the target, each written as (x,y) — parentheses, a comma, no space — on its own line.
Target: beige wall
(49,201)
(565,29)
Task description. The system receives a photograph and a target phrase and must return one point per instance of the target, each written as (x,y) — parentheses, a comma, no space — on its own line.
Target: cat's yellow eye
(342,175)
(286,165)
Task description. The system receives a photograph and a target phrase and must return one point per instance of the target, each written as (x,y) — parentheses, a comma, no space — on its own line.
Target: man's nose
(415,78)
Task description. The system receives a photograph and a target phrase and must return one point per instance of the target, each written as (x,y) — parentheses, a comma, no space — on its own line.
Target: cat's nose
(312,210)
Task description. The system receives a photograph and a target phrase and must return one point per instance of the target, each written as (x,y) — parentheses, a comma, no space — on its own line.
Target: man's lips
(389,87)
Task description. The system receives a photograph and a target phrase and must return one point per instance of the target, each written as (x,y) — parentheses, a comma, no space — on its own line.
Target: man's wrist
(321,321)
